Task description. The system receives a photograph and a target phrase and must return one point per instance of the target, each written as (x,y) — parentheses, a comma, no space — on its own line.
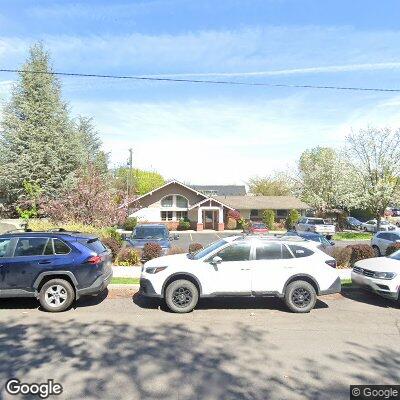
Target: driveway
(129,348)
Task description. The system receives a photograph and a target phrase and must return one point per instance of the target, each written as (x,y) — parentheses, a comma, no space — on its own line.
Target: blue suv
(54,267)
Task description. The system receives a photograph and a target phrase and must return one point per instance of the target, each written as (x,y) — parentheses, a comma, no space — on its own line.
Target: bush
(360,252)
(113,244)
(392,248)
(292,219)
(151,250)
(342,256)
(127,257)
(130,224)
(234,214)
(231,224)
(184,224)
(176,250)
(269,218)
(193,247)
(112,234)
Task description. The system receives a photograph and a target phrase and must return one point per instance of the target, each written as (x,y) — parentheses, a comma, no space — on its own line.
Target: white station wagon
(290,268)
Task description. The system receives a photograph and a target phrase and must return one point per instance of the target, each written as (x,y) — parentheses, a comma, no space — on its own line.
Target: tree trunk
(378,221)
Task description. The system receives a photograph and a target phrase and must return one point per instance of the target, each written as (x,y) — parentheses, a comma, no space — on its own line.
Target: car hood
(167,260)
(380,264)
(139,243)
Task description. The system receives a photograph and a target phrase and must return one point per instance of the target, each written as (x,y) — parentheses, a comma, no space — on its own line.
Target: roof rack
(275,236)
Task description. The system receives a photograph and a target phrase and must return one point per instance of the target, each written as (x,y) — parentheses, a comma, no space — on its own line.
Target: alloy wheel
(55,296)
(301,297)
(182,296)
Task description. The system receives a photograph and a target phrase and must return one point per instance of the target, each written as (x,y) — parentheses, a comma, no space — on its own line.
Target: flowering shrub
(392,248)
(360,252)
(113,244)
(176,250)
(130,224)
(151,250)
(127,257)
(231,224)
(193,247)
(234,214)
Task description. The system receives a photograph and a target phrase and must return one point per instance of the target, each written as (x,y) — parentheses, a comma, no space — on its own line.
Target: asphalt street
(130,348)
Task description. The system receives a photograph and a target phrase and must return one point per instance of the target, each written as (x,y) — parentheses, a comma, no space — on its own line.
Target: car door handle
(44,262)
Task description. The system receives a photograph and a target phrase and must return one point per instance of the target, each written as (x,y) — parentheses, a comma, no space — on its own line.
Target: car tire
(56,295)
(300,297)
(376,250)
(181,296)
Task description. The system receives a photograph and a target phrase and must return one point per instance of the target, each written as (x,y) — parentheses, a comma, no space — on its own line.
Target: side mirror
(176,236)
(216,260)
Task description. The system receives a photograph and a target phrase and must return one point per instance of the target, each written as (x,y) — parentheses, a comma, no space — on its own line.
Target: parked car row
(59,267)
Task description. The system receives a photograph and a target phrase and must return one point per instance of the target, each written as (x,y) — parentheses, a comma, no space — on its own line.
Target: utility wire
(214,82)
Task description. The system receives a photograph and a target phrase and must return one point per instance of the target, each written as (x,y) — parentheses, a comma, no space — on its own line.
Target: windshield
(204,252)
(149,232)
(316,221)
(395,255)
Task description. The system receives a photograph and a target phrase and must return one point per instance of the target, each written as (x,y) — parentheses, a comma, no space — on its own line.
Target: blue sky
(208,133)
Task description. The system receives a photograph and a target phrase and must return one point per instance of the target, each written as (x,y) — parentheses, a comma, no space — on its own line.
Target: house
(221,190)
(174,201)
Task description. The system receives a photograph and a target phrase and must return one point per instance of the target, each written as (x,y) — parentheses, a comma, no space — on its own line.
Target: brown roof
(263,202)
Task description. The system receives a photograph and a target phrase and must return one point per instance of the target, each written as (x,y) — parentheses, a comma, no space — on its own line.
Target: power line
(213,82)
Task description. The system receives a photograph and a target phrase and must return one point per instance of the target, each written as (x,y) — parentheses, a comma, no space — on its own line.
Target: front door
(209,219)
(233,275)
(5,258)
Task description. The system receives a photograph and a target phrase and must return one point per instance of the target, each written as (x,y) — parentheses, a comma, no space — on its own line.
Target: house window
(254,213)
(181,202)
(166,215)
(181,215)
(167,201)
(281,213)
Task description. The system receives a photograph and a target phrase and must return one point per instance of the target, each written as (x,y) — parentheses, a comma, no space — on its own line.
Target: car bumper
(384,288)
(336,287)
(147,289)
(97,286)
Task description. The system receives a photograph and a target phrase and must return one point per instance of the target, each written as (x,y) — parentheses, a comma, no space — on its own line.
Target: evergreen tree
(38,141)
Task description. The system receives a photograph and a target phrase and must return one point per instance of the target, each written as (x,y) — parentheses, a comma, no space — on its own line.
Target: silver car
(382,240)
(372,226)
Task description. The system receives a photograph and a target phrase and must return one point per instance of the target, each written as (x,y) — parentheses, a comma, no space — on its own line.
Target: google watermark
(375,392)
(43,390)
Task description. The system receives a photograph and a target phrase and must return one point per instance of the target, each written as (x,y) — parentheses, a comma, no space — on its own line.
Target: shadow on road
(224,303)
(111,360)
(31,303)
(366,297)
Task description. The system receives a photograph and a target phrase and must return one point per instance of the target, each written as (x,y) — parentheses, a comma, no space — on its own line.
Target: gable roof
(264,202)
(222,190)
(215,200)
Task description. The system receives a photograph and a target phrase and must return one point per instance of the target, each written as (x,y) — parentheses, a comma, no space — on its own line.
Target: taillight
(94,260)
(331,263)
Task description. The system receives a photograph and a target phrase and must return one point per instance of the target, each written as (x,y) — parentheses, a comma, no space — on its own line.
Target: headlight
(384,275)
(154,270)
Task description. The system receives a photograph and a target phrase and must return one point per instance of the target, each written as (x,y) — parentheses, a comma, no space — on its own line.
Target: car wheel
(376,251)
(56,295)
(181,296)
(300,297)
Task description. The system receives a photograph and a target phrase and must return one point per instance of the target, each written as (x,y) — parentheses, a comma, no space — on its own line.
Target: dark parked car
(54,267)
(151,233)
(353,223)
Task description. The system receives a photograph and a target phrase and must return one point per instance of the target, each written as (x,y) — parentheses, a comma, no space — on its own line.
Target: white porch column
(221,215)
(199,215)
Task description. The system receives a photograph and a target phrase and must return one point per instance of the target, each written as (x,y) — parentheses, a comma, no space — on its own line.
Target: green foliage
(292,219)
(352,236)
(273,185)
(127,257)
(130,223)
(392,248)
(138,181)
(269,218)
(184,224)
(113,234)
(151,250)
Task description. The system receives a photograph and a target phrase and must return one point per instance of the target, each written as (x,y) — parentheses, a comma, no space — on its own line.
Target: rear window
(30,247)
(316,221)
(94,245)
(300,251)
(4,247)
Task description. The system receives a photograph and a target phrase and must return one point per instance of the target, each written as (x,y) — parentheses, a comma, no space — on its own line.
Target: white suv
(292,268)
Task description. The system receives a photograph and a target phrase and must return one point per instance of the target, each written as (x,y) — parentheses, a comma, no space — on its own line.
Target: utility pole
(129,174)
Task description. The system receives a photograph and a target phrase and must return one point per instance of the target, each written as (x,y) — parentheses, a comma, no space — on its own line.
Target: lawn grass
(125,281)
(346,282)
(352,236)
